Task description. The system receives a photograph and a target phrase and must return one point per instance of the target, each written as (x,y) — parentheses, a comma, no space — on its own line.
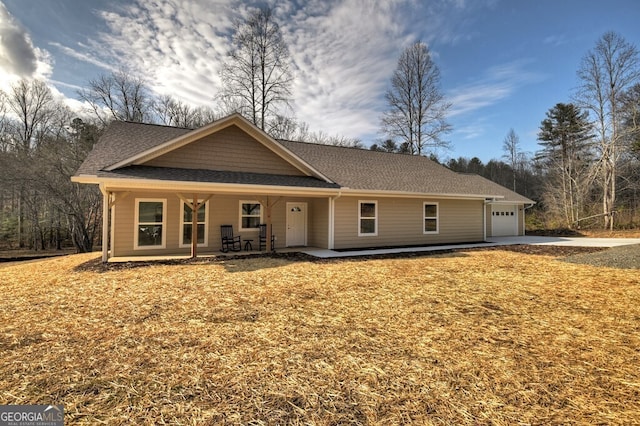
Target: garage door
(504,220)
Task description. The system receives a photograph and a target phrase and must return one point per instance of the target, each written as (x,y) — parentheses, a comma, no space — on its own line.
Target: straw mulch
(486,337)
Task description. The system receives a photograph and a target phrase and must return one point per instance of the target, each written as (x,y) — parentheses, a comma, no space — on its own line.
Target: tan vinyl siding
(318,223)
(521,224)
(401,222)
(222,210)
(487,212)
(125,225)
(230,149)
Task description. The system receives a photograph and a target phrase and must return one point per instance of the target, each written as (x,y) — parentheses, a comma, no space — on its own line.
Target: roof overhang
(123,184)
(405,194)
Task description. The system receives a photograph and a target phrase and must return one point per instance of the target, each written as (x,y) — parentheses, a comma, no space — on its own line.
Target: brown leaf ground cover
(477,337)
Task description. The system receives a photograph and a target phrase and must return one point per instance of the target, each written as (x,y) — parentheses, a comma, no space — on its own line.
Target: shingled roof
(348,168)
(122,140)
(381,171)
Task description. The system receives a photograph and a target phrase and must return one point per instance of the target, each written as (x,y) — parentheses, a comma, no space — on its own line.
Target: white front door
(296,224)
(504,220)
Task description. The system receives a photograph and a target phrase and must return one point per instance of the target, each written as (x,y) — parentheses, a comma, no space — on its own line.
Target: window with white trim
(367,218)
(150,223)
(186,224)
(250,215)
(431,222)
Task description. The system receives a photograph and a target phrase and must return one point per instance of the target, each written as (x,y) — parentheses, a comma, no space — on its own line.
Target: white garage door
(504,220)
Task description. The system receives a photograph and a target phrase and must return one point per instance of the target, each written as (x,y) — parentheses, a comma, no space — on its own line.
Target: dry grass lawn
(483,337)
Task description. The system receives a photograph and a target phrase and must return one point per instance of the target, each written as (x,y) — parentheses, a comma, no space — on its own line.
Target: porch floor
(205,255)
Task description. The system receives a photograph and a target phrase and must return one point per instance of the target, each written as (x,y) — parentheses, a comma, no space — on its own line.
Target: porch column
(194,226)
(194,205)
(332,221)
(269,225)
(106,206)
(268,206)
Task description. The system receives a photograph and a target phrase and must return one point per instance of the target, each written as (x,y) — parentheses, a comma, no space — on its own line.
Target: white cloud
(343,52)
(177,45)
(85,57)
(498,83)
(18,56)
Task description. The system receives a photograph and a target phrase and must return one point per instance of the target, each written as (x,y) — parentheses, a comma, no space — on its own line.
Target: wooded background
(586,172)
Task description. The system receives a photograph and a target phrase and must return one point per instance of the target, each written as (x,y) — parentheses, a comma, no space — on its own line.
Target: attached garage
(504,220)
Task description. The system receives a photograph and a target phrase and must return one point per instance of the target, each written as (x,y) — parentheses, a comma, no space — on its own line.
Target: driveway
(565,241)
(491,242)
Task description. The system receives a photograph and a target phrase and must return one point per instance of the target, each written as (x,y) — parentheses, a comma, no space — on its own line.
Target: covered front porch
(156,223)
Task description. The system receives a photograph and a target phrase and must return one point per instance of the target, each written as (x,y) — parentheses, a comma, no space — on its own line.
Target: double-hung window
(430,215)
(150,223)
(250,215)
(367,218)
(186,224)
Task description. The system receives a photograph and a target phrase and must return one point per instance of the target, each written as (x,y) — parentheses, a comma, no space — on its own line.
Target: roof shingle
(351,168)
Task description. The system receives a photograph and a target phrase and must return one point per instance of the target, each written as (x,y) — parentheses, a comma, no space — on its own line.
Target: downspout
(332,212)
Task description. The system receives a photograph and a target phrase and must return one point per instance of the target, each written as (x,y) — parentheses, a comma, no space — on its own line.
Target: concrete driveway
(491,242)
(565,241)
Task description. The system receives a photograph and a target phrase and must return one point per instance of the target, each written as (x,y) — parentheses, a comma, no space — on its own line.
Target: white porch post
(332,221)
(106,204)
(194,226)
(484,220)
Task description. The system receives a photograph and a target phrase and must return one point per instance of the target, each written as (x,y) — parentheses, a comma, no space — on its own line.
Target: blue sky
(503,63)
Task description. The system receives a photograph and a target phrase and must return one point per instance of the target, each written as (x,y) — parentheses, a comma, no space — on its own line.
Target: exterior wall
(401,222)
(222,210)
(318,223)
(487,212)
(521,224)
(230,149)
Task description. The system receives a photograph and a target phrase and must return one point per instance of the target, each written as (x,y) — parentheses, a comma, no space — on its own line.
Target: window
(250,215)
(186,224)
(431,225)
(368,218)
(150,226)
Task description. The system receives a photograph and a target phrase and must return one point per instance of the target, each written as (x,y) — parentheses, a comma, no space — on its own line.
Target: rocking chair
(229,241)
(263,238)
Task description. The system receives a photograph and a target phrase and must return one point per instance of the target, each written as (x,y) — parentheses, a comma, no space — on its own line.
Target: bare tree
(282,127)
(33,108)
(512,153)
(417,109)
(33,105)
(257,79)
(121,95)
(606,72)
(173,112)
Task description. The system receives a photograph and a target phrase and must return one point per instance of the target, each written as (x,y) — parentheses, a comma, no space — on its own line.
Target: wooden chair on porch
(229,241)
(263,238)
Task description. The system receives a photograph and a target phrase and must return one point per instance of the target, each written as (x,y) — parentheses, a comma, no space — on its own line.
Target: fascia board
(129,184)
(406,194)
(218,188)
